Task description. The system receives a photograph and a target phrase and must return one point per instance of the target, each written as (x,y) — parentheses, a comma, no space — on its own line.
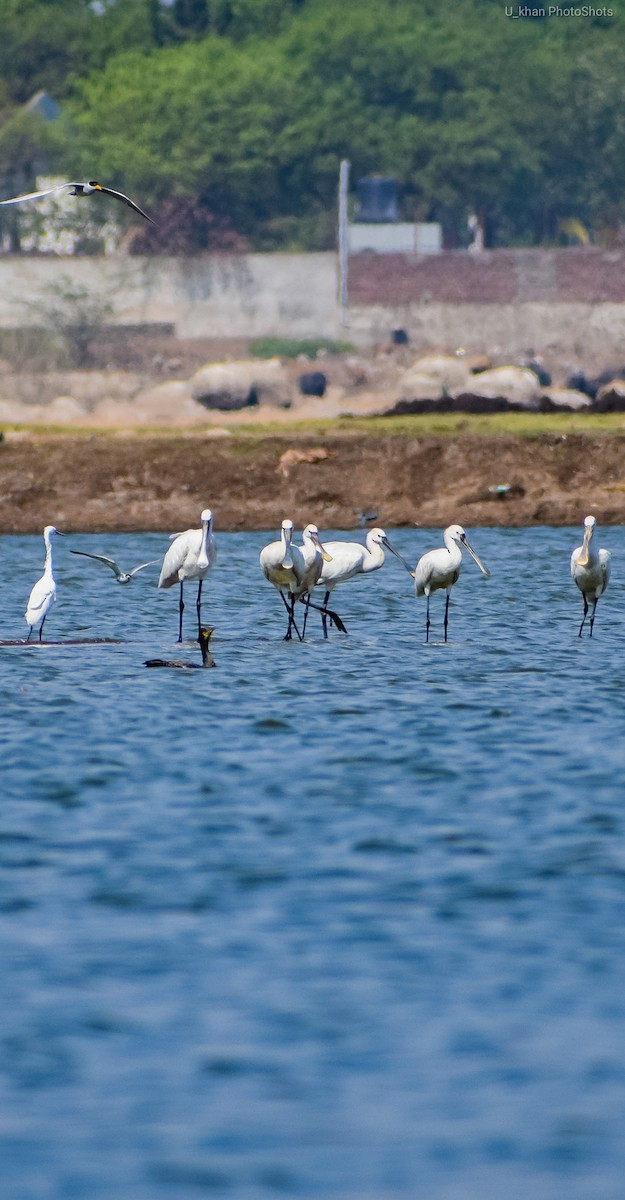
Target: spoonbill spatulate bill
(441,568)
(43,594)
(190,556)
(348,559)
(283,565)
(590,569)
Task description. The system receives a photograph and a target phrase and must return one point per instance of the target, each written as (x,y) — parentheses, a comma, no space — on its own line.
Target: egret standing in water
(283,564)
(441,568)
(43,594)
(190,556)
(348,559)
(590,569)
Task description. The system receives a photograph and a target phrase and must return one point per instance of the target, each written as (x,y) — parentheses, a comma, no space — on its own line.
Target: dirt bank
(92,483)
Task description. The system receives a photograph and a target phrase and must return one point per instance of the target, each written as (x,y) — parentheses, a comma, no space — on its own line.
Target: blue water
(338,919)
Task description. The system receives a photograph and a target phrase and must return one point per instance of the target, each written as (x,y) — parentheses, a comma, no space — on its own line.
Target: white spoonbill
(283,564)
(190,556)
(441,568)
(348,559)
(120,575)
(591,571)
(315,555)
(43,594)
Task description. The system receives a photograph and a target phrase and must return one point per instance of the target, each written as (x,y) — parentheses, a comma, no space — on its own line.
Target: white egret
(591,571)
(190,556)
(348,559)
(121,576)
(283,564)
(78,189)
(43,593)
(441,568)
(181,664)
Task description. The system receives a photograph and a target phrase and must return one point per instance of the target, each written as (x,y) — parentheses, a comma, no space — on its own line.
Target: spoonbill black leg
(180,612)
(584,616)
(592,616)
(199,607)
(427,620)
(446,621)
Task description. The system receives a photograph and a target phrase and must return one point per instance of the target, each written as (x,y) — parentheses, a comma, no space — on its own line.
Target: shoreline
(123,481)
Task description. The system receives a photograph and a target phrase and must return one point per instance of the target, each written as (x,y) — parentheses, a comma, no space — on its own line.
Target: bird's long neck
(453,549)
(375,556)
(48,563)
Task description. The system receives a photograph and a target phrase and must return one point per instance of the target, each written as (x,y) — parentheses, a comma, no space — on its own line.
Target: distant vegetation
(230,117)
(275,347)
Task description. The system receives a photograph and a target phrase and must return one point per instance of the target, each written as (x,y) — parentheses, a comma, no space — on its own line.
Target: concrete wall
(566,301)
(212,295)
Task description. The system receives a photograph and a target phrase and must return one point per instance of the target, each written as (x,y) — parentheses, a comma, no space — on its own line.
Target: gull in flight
(121,576)
(78,189)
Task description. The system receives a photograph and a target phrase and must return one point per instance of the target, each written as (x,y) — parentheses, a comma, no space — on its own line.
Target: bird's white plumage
(43,593)
(314,555)
(120,575)
(348,559)
(590,569)
(441,568)
(76,189)
(191,554)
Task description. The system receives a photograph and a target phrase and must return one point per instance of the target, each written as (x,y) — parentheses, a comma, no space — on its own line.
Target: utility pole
(343,242)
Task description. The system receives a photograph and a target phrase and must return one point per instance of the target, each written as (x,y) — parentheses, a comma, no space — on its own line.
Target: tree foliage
(236,113)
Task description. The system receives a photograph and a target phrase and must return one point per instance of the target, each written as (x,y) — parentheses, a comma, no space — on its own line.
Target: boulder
(445,372)
(232,385)
(313,383)
(513,387)
(610,397)
(556,399)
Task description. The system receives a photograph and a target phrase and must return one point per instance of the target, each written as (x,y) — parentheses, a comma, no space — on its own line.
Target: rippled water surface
(336,919)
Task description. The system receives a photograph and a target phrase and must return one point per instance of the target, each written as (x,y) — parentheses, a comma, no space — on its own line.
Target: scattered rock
(312,383)
(556,399)
(610,397)
(231,385)
(517,387)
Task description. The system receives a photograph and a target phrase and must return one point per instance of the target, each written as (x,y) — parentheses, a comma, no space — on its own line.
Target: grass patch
(275,347)
(522,425)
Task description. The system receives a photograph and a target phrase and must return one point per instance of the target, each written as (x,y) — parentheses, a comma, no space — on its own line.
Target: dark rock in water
(313,383)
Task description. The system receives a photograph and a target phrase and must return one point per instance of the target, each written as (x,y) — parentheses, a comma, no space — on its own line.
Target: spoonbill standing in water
(348,559)
(190,556)
(590,569)
(43,593)
(315,555)
(283,564)
(441,568)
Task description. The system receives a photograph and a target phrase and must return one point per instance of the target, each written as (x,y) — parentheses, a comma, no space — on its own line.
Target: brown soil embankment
(150,482)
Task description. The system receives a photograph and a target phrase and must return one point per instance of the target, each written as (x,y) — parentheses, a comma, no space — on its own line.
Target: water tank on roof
(377,199)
